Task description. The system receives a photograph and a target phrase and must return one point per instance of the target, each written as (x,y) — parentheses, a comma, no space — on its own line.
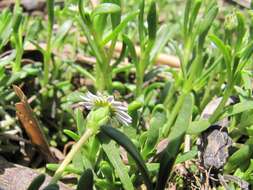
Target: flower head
(117,108)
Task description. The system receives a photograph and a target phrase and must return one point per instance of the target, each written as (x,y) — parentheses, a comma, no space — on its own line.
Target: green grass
(43,55)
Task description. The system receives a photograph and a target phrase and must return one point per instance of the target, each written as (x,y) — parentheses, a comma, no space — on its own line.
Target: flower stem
(76,147)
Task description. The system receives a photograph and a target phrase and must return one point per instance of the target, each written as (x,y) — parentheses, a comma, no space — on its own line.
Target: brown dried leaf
(31,125)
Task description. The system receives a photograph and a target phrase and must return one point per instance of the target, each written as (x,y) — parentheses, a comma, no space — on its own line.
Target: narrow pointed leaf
(37,182)
(17,21)
(175,138)
(131,49)
(50,9)
(156,122)
(125,142)
(105,8)
(240,158)
(52,187)
(71,134)
(197,127)
(223,48)
(113,155)
(152,21)
(194,13)
(80,122)
(238,108)
(120,27)
(163,35)
(86,181)
(209,18)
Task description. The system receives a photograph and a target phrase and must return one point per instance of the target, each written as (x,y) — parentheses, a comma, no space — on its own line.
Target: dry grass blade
(31,125)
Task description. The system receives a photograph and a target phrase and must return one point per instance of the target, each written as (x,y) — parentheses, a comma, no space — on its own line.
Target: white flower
(118,109)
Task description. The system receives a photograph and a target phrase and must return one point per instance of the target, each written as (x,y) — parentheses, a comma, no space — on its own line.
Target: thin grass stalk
(47,54)
(75,149)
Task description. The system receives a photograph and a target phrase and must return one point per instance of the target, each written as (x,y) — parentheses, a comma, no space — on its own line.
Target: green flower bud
(98,117)
(231,22)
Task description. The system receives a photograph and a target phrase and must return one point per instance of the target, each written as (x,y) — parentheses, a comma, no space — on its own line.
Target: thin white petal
(90,95)
(125,119)
(121,108)
(122,120)
(125,115)
(88,104)
(110,99)
(117,103)
(85,98)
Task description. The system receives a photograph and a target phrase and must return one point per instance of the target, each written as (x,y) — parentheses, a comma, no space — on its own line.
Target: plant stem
(19,49)
(105,64)
(185,59)
(139,83)
(47,58)
(76,147)
(142,66)
(47,53)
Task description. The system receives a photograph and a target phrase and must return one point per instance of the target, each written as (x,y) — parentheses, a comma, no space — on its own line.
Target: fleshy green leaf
(156,122)
(206,23)
(105,8)
(17,21)
(116,17)
(162,38)
(194,13)
(86,180)
(37,182)
(186,156)
(69,168)
(152,21)
(83,72)
(135,105)
(224,50)
(50,8)
(113,155)
(80,122)
(71,134)
(176,138)
(120,27)
(126,143)
(62,33)
(131,49)
(197,127)
(187,16)
(238,108)
(52,187)
(240,158)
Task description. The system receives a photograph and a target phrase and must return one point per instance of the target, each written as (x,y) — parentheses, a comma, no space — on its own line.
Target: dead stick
(162,59)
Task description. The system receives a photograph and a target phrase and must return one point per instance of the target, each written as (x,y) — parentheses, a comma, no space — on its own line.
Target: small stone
(214,148)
